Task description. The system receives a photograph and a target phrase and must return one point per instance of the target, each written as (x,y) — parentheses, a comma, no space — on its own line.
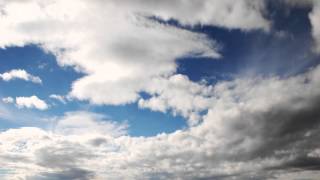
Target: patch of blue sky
(284,51)
(58,80)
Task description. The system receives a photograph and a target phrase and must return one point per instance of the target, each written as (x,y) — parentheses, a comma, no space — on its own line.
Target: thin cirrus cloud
(247,127)
(20,74)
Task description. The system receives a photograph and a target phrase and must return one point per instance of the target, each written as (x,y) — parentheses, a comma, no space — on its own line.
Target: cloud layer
(128,48)
(260,128)
(248,127)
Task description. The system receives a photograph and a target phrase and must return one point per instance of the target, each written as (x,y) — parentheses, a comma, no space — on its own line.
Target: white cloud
(116,44)
(31,102)
(247,133)
(8,100)
(19,74)
(314,17)
(179,94)
(86,123)
(243,14)
(57,97)
(123,53)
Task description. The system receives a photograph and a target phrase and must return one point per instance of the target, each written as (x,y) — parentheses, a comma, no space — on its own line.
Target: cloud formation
(31,102)
(129,47)
(86,123)
(248,132)
(248,127)
(19,74)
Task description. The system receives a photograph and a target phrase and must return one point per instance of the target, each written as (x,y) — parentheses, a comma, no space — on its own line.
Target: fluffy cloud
(118,44)
(166,95)
(255,128)
(244,128)
(20,74)
(31,102)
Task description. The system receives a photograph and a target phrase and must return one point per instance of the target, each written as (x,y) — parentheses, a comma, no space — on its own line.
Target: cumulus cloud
(245,128)
(127,47)
(31,102)
(166,94)
(19,74)
(255,128)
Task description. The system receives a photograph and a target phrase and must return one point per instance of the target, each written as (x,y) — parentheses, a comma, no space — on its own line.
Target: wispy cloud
(59,98)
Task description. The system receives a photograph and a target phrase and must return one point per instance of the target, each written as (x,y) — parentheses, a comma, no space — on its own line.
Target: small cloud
(60,98)
(31,102)
(20,74)
(8,100)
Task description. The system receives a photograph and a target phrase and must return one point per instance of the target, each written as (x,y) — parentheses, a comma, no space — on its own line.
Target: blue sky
(159,89)
(244,53)
(57,80)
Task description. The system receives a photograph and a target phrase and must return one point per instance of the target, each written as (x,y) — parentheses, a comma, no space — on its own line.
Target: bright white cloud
(122,51)
(179,94)
(31,102)
(8,100)
(20,74)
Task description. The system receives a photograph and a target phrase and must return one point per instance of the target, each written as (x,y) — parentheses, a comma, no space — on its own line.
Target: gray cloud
(76,174)
(247,133)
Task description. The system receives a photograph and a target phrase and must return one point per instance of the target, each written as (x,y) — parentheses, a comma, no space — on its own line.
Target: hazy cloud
(8,100)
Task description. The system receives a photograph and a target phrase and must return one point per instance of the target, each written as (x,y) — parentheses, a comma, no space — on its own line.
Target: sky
(159,89)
